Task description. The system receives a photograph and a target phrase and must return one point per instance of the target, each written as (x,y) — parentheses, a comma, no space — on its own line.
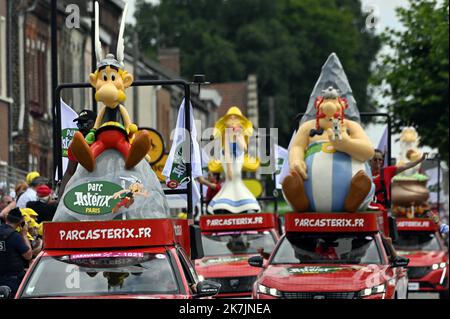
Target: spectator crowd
(22,213)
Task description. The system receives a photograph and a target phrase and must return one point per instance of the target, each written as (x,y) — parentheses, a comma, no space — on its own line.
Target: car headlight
(268,291)
(437,266)
(201,278)
(373,291)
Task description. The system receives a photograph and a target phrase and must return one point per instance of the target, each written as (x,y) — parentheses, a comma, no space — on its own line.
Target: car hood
(424,258)
(331,278)
(226,266)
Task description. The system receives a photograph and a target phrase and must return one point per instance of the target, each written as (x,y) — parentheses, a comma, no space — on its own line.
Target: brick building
(31,125)
(5,94)
(30,42)
(241,94)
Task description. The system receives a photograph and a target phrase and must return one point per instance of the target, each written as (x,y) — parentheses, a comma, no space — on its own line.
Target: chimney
(170,59)
(252,99)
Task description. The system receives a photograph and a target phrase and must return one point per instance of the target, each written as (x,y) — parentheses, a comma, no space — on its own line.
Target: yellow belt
(115,124)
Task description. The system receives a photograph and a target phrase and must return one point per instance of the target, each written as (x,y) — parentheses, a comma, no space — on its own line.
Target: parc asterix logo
(314,270)
(93,198)
(223,260)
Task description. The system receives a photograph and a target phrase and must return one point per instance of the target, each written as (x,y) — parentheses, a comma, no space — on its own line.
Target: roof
(233,94)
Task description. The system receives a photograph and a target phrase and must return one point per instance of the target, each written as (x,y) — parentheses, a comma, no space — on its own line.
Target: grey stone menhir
(110,167)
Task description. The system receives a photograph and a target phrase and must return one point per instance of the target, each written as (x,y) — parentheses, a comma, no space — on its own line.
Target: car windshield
(235,243)
(103,273)
(417,241)
(328,248)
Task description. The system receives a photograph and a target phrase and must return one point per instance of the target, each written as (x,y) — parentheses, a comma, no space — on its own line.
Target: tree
(416,73)
(283,42)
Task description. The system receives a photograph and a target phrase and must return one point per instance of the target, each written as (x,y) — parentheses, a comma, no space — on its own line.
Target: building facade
(5,94)
(28,92)
(30,42)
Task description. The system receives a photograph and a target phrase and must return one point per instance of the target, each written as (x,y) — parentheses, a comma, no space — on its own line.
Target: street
(417,295)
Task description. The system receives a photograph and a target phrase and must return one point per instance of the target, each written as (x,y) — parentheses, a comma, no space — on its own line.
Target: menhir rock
(112,192)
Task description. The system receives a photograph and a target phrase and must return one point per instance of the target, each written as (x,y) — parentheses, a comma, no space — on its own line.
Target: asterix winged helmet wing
(98,44)
(332,75)
(120,42)
(132,179)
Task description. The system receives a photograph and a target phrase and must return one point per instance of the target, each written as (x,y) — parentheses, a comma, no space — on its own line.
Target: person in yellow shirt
(34,233)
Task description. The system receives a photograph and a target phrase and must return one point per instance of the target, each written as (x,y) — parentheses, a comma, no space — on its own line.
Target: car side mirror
(256,261)
(196,242)
(280,226)
(207,288)
(393,231)
(400,261)
(5,292)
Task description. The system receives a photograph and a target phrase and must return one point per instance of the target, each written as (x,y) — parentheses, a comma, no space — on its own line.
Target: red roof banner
(334,222)
(237,222)
(415,224)
(108,234)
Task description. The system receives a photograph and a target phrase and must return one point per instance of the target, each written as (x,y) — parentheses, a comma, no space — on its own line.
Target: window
(3,48)
(188,269)
(328,248)
(36,68)
(235,243)
(104,273)
(417,241)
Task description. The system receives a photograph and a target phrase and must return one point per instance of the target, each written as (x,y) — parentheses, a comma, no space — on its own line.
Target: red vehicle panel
(331,256)
(226,256)
(428,269)
(131,259)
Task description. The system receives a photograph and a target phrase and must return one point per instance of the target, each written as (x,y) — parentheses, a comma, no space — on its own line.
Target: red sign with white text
(340,222)
(237,222)
(129,233)
(415,224)
(181,228)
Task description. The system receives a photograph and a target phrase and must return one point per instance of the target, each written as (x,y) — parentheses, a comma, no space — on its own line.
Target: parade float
(420,241)
(236,229)
(333,248)
(418,236)
(329,153)
(233,130)
(112,227)
(331,256)
(228,242)
(409,189)
(113,180)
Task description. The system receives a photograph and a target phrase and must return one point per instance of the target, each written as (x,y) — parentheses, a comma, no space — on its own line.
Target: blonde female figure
(234,197)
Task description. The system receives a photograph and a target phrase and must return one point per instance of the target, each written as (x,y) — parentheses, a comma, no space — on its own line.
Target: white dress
(234,196)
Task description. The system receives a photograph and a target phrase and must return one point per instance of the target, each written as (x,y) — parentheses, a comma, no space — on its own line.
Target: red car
(116,259)
(228,242)
(331,256)
(420,241)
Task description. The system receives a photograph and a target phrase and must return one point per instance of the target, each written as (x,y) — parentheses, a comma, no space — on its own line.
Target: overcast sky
(386,12)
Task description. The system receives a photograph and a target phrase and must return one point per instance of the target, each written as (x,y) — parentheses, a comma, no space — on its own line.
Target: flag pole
(54,54)
(93,57)
(438,157)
